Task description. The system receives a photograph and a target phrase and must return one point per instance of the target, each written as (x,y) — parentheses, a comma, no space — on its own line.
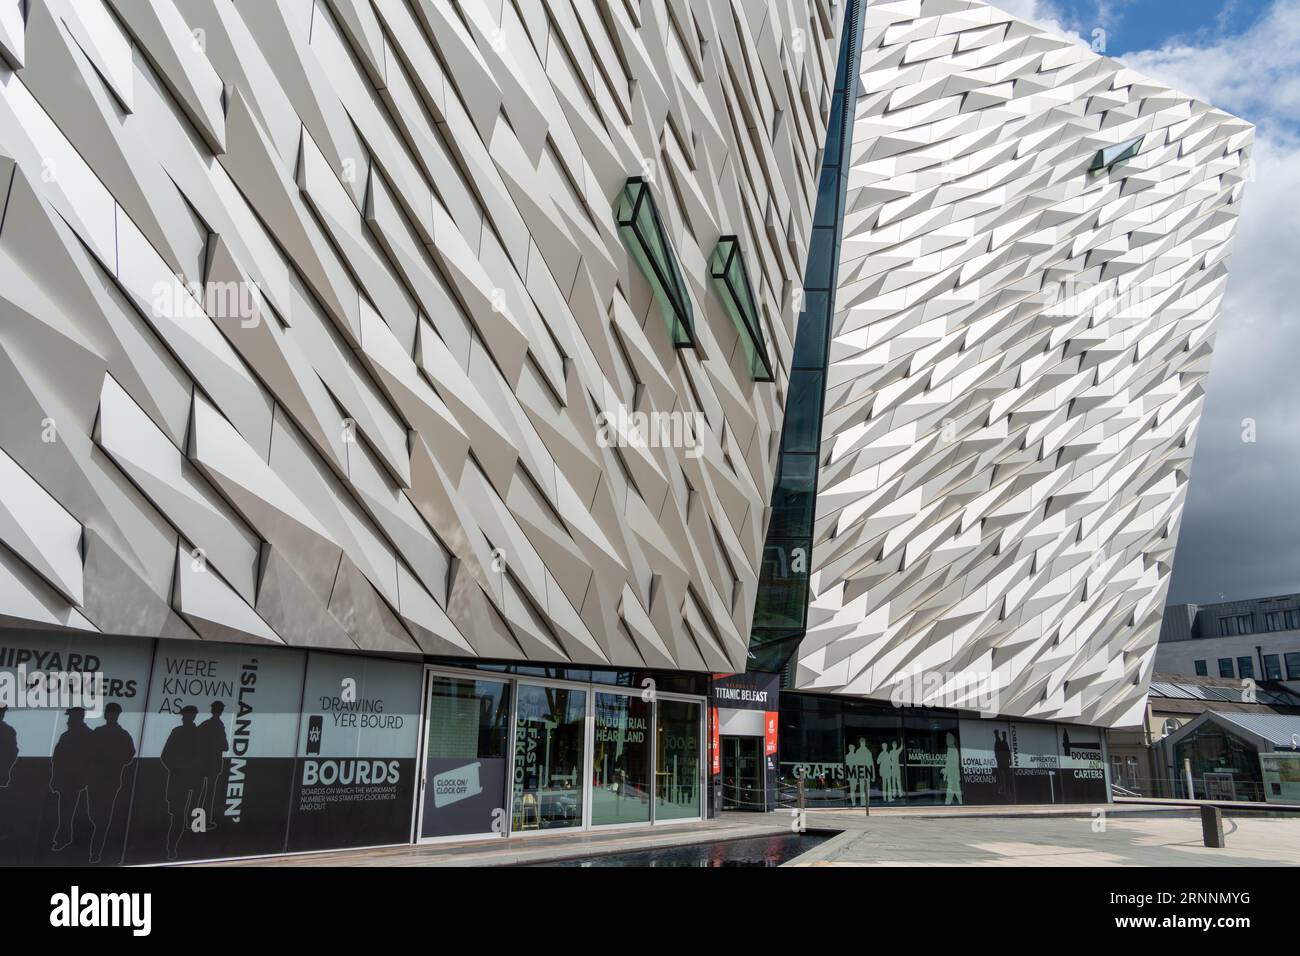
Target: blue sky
(1135,25)
(1240,535)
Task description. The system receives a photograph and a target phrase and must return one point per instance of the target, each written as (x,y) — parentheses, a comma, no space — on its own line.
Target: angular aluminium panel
(1018,367)
(313,314)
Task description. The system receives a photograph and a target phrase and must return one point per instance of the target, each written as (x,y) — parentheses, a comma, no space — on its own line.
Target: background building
(1257,639)
(1141,764)
(1238,756)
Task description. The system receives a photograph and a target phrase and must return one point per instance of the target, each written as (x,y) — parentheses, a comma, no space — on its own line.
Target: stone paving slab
(1116,839)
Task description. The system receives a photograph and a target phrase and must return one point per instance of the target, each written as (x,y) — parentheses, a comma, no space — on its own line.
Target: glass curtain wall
(781,609)
(850,751)
(555,756)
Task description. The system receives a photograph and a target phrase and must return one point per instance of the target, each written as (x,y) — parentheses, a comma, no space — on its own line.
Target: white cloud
(1242,522)
(1042,13)
(1241,528)
(1255,74)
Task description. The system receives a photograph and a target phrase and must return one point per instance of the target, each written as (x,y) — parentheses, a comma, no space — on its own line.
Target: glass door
(620,767)
(550,755)
(742,773)
(466,756)
(678,777)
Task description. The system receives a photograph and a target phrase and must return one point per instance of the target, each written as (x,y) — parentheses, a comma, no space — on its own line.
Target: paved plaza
(1117,835)
(1113,838)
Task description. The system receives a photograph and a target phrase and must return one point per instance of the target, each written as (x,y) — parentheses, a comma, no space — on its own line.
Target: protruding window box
(730,278)
(1110,155)
(643,233)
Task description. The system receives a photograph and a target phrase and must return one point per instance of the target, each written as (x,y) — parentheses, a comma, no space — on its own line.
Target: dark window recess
(1110,155)
(1272,667)
(803,412)
(783,602)
(731,280)
(792,501)
(642,230)
(1246,667)
(1225,667)
(1293,666)
(810,336)
(1202,670)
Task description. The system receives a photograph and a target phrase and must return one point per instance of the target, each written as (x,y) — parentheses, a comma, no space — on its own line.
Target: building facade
(431,420)
(1257,640)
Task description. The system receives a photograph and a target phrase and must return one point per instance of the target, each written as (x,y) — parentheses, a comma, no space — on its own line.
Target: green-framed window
(731,280)
(642,230)
(1110,155)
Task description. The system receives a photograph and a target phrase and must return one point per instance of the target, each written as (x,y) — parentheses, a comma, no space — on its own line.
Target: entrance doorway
(742,774)
(516,756)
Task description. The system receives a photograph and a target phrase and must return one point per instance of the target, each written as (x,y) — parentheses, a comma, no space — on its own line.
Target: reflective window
(1245,667)
(873,754)
(1272,667)
(1202,669)
(1225,667)
(932,758)
(731,280)
(643,233)
(803,412)
(549,739)
(821,258)
(792,497)
(1110,155)
(1293,666)
(783,598)
(620,773)
(810,334)
(811,749)
(677,761)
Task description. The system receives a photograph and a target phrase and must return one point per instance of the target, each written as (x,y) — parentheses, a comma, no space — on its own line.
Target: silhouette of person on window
(868,770)
(851,773)
(8,749)
(112,749)
(69,772)
(1002,754)
(215,744)
(182,756)
(951,771)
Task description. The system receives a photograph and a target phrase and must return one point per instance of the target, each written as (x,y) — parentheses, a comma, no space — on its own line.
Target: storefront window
(811,749)
(873,754)
(1224,767)
(677,762)
(621,761)
(933,759)
(466,755)
(549,737)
